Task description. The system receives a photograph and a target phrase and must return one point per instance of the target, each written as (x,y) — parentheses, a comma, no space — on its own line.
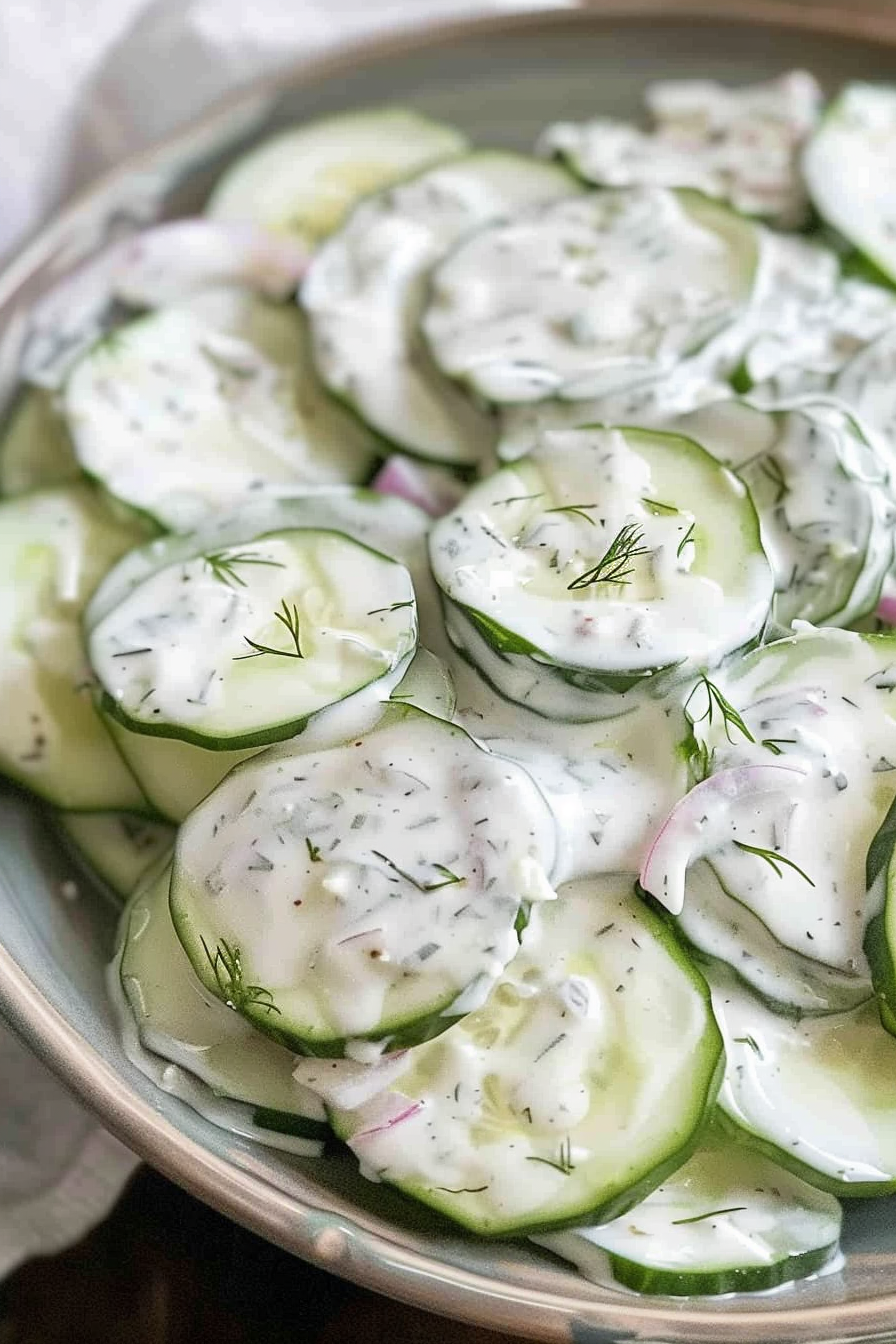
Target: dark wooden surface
(163,1269)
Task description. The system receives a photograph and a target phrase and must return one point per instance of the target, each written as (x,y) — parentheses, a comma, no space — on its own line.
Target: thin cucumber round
(798,745)
(54,547)
(35,448)
(820,489)
(583,1081)
(866,385)
(849,166)
(184,411)
(583,296)
(365,290)
(728,1221)
(609,555)
(304,180)
(116,847)
(240,647)
(817,1095)
(358,889)
(739,145)
(190,1045)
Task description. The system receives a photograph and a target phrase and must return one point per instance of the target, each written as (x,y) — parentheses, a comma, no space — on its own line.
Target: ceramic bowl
(501,79)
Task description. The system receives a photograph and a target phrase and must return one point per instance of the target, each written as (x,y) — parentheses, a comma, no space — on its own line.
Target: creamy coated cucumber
(867,385)
(584,1079)
(739,145)
(609,555)
(849,166)
(54,547)
(305,180)
(179,1020)
(194,1048)
(817,1095)
(366,288)
(880,937)
(176,775)
(117,847)
(798,744)
(35,449)
(728,1221)
(582,296)
(242,646)
(182,412)
(358,889)
(825,514)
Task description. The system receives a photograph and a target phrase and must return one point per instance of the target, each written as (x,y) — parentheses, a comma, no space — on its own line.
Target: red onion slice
(432,489)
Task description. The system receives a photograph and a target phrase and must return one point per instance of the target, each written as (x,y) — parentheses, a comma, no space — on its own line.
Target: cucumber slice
(182,412)
(610,555)
(304,180)
(820,705)
(728,1221)
(216,1053)
(880,938)
(54,547)
(240,647)
(866,386)
(35,449)
(356,890)
(737,145)
(825,517)
(817,1095)
(849,167)
(581,297)
(365,290)
(117,847)
(584,1079)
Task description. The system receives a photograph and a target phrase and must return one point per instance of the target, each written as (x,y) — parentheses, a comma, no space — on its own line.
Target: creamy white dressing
(531,550)
(365,885)
(586,295)
(575,1076)
(741,145)
(820,703)
(254,639)
(367,286)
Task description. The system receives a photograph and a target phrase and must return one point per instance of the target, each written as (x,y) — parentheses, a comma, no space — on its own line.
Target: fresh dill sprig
(515,499)
(659,505)
(713,1213)
(771,469)
(223,565)
(288,617)
(577,509)
(688,536)
(449,879)
(716,700)
(313,851)
(614,566)
(227,967)
(751,1042)
(396,606)
(773,859)
(771,744)
(563,1163)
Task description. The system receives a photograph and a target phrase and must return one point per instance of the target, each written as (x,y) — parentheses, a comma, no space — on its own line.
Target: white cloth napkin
(83,83)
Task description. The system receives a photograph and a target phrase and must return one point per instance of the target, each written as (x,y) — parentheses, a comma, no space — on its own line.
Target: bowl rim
(360,1254)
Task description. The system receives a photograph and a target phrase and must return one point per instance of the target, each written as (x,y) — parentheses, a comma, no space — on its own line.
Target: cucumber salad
(451,607)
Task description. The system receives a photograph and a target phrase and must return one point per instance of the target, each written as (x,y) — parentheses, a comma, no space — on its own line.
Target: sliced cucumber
(609,555)
(365,290)
(182,412)
(361,887)
(35,449)
(242,646)
(584,1079)
(216,1054)
(817,1095)
(738,145)
(174,776)
(580,297)
(728,1221)
(54,547)
(880,937)
(849,166)
(867,385)
(117,847)
(819,488)
(305,180)
(799,744)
